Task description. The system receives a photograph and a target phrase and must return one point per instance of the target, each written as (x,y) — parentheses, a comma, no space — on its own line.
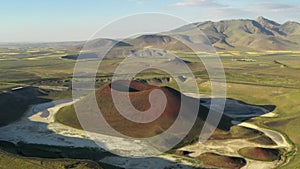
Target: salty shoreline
(37,129)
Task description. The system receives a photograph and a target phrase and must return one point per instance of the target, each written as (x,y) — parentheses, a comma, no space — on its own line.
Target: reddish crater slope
(139,97)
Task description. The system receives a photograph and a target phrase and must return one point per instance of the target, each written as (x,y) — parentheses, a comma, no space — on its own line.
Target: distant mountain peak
(261,18)
(264,21)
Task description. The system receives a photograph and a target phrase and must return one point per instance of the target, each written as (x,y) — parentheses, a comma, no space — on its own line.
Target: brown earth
(226,162)
(258,153)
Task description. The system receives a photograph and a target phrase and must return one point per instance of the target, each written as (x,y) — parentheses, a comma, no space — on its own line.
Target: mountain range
(240,34)
(258,35)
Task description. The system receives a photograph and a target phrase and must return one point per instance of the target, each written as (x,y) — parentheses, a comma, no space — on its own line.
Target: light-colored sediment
(230,147)
(278,138)
(35,129)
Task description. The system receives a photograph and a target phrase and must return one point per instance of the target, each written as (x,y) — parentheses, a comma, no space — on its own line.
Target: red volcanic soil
(216,160)
(138,93)
(263,154)
(139,97)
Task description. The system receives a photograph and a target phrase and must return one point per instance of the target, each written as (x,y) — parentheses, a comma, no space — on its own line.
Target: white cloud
(194,3)
(273,5)
(278,11)
(138,1)
(217,10)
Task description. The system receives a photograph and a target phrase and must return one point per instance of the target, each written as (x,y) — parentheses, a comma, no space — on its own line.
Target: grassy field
(8,160)
(265,82)
(272,78)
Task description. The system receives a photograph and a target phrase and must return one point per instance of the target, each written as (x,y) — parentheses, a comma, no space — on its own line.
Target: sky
(74,20)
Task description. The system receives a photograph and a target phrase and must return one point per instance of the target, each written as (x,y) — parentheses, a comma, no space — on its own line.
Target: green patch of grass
(8,160)
(67,115)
